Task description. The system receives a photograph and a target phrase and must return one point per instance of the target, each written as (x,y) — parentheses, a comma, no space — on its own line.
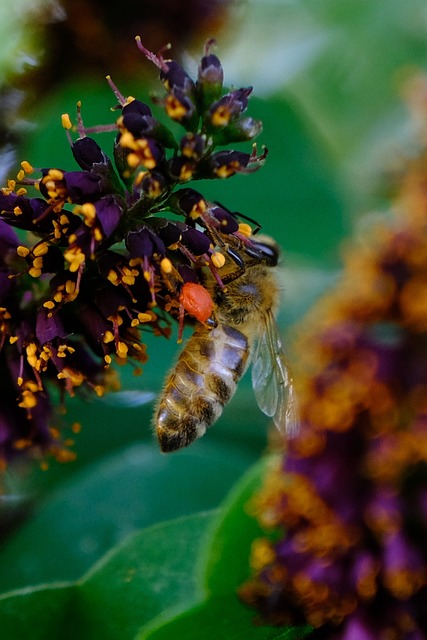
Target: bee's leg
(180,322)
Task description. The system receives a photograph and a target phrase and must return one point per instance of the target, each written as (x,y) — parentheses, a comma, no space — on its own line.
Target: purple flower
(348,500)
(108,253)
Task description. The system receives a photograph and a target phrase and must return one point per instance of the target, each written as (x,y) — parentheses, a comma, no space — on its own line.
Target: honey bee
(214,359)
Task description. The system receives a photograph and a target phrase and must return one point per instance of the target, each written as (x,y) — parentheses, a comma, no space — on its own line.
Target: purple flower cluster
(104,256)
(348,502)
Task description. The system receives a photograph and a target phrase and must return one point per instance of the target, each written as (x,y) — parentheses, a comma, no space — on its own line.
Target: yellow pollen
(88,210)
(20,175)
(174,108)
(75,257)
(35,272)
(122,350)
(76,377)
(139,177)
(166,265)
(221,116)
(218,259)
(145,317)
(29,400)
(27,167)
(70,287)
(65,121)
(54,174)
(22,251)
(127,140)
(108,337)
(107,359)
(41,249)
(198,209)
(17,211)
(245,229)
(49,304)
(31,349)
(133,160)
(38,263)
(22,443)
(128,279)
(113,277)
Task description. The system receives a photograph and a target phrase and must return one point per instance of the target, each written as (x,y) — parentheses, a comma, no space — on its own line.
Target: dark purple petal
(48,326)
(136,106)
(108,212)
(144,243)
(196,241)
(88,153)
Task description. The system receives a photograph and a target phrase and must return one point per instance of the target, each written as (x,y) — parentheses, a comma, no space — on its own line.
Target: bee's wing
(272,380)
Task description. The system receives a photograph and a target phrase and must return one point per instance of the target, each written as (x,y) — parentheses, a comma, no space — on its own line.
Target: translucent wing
(272,380)
(130,398)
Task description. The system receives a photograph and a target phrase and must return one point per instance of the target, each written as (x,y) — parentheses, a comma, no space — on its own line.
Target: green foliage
(172,579)
(130,585)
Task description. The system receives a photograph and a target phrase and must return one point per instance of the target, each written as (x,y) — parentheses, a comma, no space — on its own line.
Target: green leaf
(223,567)
(226,564)
(36,613)
(220,617)
(150,571)
(110,499)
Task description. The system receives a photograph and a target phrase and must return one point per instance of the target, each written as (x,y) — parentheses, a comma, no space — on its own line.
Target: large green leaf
(171,580)
(110,499)
(149,572)
(221,618)
(223,566)
(38,613)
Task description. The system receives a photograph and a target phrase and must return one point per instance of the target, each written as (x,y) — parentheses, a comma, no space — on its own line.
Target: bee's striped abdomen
(201,383)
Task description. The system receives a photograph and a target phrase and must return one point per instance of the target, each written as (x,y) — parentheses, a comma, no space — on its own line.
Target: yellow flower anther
(28,400)
(27,167)
(108,337)
(66,122)
(145,317)
(245,229)
(22,251)
(54,174)
(218,259)
(122,350)
(166,265)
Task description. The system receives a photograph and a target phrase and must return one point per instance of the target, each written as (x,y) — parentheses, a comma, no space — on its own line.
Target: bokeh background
(330,79)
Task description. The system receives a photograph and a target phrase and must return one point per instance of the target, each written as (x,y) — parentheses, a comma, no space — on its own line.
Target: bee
(214,359)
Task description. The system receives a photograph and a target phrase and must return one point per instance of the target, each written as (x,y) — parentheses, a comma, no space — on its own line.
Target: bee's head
(264,249)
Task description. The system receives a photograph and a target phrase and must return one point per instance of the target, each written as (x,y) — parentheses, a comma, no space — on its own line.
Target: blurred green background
(328,77)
